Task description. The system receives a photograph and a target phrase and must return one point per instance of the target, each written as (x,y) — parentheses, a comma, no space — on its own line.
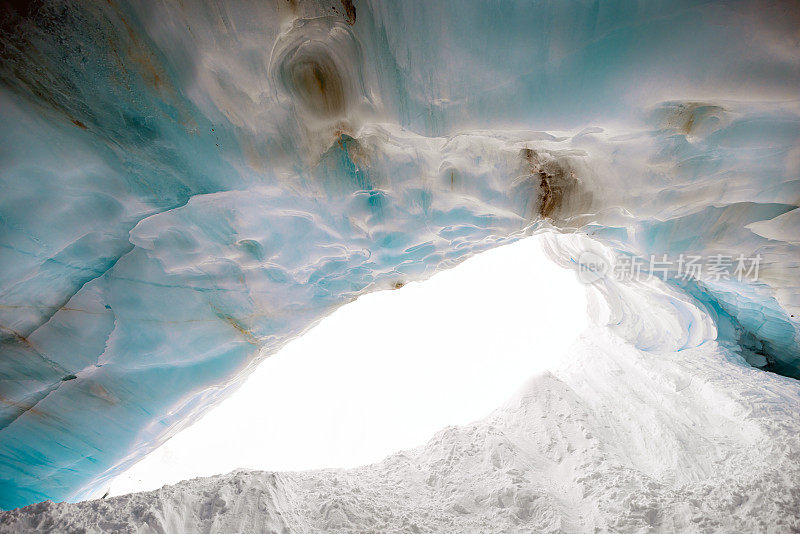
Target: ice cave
(186,186)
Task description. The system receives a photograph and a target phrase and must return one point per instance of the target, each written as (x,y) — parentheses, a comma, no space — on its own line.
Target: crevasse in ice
(186,186)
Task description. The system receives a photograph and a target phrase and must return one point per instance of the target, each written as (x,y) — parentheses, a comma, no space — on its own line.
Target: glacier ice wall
(188,185)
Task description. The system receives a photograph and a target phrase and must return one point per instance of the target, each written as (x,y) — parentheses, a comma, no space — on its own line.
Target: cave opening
(386,372)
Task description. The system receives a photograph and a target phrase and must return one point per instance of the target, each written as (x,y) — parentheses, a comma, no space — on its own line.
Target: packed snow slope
(187,185)
(612,440)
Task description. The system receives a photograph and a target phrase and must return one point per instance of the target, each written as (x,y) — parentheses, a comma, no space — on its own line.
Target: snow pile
(613,439)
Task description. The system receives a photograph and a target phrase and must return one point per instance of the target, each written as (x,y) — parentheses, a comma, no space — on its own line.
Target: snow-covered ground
(611,439)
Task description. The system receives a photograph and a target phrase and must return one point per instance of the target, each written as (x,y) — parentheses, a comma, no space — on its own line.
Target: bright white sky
(386,372)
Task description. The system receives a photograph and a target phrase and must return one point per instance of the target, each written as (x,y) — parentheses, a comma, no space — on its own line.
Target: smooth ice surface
(186,186)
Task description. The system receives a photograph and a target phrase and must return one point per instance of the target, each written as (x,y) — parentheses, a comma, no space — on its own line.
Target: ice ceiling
(186,186)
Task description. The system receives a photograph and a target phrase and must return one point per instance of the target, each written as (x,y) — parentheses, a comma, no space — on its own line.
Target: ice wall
(188,185)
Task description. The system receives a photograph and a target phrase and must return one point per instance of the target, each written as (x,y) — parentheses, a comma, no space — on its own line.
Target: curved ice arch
(175,207)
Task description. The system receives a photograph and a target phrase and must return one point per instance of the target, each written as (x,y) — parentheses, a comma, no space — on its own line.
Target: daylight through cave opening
(452,349)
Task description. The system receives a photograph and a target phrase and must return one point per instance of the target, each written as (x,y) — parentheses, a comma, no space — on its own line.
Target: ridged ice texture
(188,185)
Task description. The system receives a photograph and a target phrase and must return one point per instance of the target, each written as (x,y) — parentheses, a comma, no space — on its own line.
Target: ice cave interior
(188,185)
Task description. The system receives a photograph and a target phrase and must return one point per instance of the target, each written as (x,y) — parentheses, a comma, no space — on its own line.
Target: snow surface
(612,439)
